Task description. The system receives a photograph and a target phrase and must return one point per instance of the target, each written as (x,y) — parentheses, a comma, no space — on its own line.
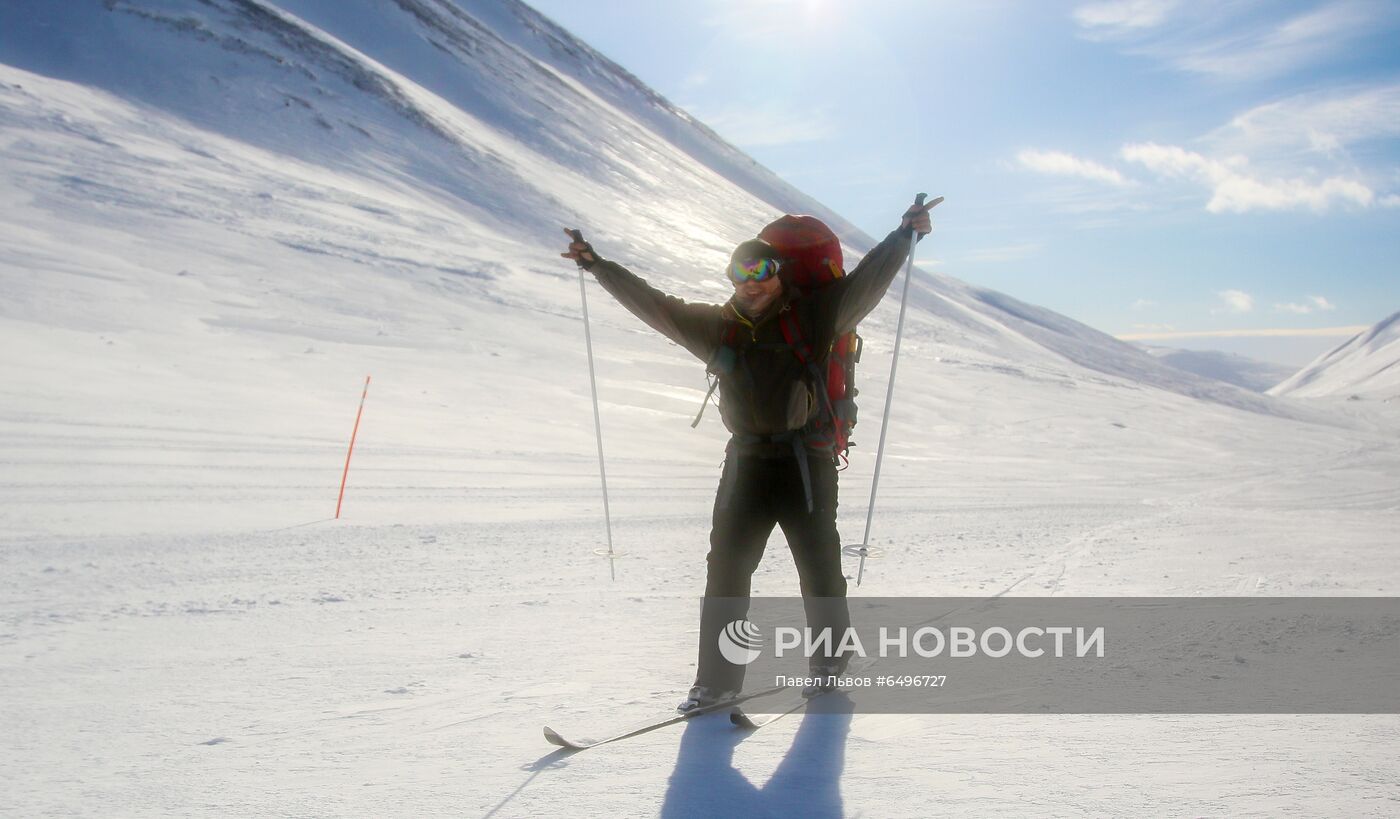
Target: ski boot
(704,696)
(823,677)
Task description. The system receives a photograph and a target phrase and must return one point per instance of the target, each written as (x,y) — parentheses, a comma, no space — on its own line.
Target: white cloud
(1282,47)
(1235,301)
(1313,304)
(1062,164)
(1141,304)
(1123,14)
(1234,40)
(1318,151)
(1154,327)
(1324,122)
(1235,191)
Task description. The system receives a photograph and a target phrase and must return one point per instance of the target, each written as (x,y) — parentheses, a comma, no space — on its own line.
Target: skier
(775,470)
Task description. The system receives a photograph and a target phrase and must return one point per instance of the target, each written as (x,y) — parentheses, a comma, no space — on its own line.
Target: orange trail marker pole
(353,433)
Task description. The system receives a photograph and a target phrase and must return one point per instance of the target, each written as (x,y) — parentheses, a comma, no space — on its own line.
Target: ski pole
(889,397)
(597,420)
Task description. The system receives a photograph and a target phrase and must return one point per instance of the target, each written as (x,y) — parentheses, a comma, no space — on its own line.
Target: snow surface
(220,216)
(1365,366)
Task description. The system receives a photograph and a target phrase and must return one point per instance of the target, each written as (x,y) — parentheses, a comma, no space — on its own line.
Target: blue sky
(1144,166)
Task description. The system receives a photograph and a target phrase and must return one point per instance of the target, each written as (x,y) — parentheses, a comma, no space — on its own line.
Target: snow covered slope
(1366,365)
(501,125)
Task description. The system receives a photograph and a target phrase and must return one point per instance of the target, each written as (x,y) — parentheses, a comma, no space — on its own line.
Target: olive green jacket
(764,388)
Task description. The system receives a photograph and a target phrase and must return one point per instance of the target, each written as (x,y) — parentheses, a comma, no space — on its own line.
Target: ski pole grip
(918,203)
(577,236)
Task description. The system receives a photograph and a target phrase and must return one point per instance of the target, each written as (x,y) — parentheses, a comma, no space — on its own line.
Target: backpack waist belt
(780,445)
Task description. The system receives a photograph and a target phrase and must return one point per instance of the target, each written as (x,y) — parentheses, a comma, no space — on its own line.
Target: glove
(579,250)
(917,219)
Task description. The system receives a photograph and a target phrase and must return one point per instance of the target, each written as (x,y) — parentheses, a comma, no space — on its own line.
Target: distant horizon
(1296,350)
(1278,346)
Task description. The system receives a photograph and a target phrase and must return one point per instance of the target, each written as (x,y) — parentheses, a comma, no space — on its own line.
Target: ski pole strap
(705,403)
(722,362)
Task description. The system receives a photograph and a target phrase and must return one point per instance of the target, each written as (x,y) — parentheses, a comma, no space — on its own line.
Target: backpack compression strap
(792,333)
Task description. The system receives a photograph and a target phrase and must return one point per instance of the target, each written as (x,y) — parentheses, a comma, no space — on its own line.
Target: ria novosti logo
(741,642)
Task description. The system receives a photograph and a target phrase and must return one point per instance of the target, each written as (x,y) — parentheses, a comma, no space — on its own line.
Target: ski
(553,737)
(742,720)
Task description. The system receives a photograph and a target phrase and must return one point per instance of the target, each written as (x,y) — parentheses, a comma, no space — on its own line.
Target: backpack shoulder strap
(792,334)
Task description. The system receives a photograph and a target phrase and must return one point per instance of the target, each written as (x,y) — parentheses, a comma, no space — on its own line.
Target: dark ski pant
(755,494)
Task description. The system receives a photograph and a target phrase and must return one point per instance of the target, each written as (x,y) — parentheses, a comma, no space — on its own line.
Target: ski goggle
(753,270)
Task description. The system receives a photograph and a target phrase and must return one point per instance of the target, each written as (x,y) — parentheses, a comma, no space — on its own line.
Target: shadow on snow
(806,783)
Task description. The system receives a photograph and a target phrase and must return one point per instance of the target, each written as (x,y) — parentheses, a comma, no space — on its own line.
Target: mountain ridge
(446,156)
(1367,365)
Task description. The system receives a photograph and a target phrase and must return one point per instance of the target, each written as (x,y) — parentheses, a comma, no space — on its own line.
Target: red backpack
(813,261)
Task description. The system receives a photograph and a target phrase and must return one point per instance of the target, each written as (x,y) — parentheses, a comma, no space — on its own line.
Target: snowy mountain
(438,143)
(219,216)
(1366,365)
(1232,368)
